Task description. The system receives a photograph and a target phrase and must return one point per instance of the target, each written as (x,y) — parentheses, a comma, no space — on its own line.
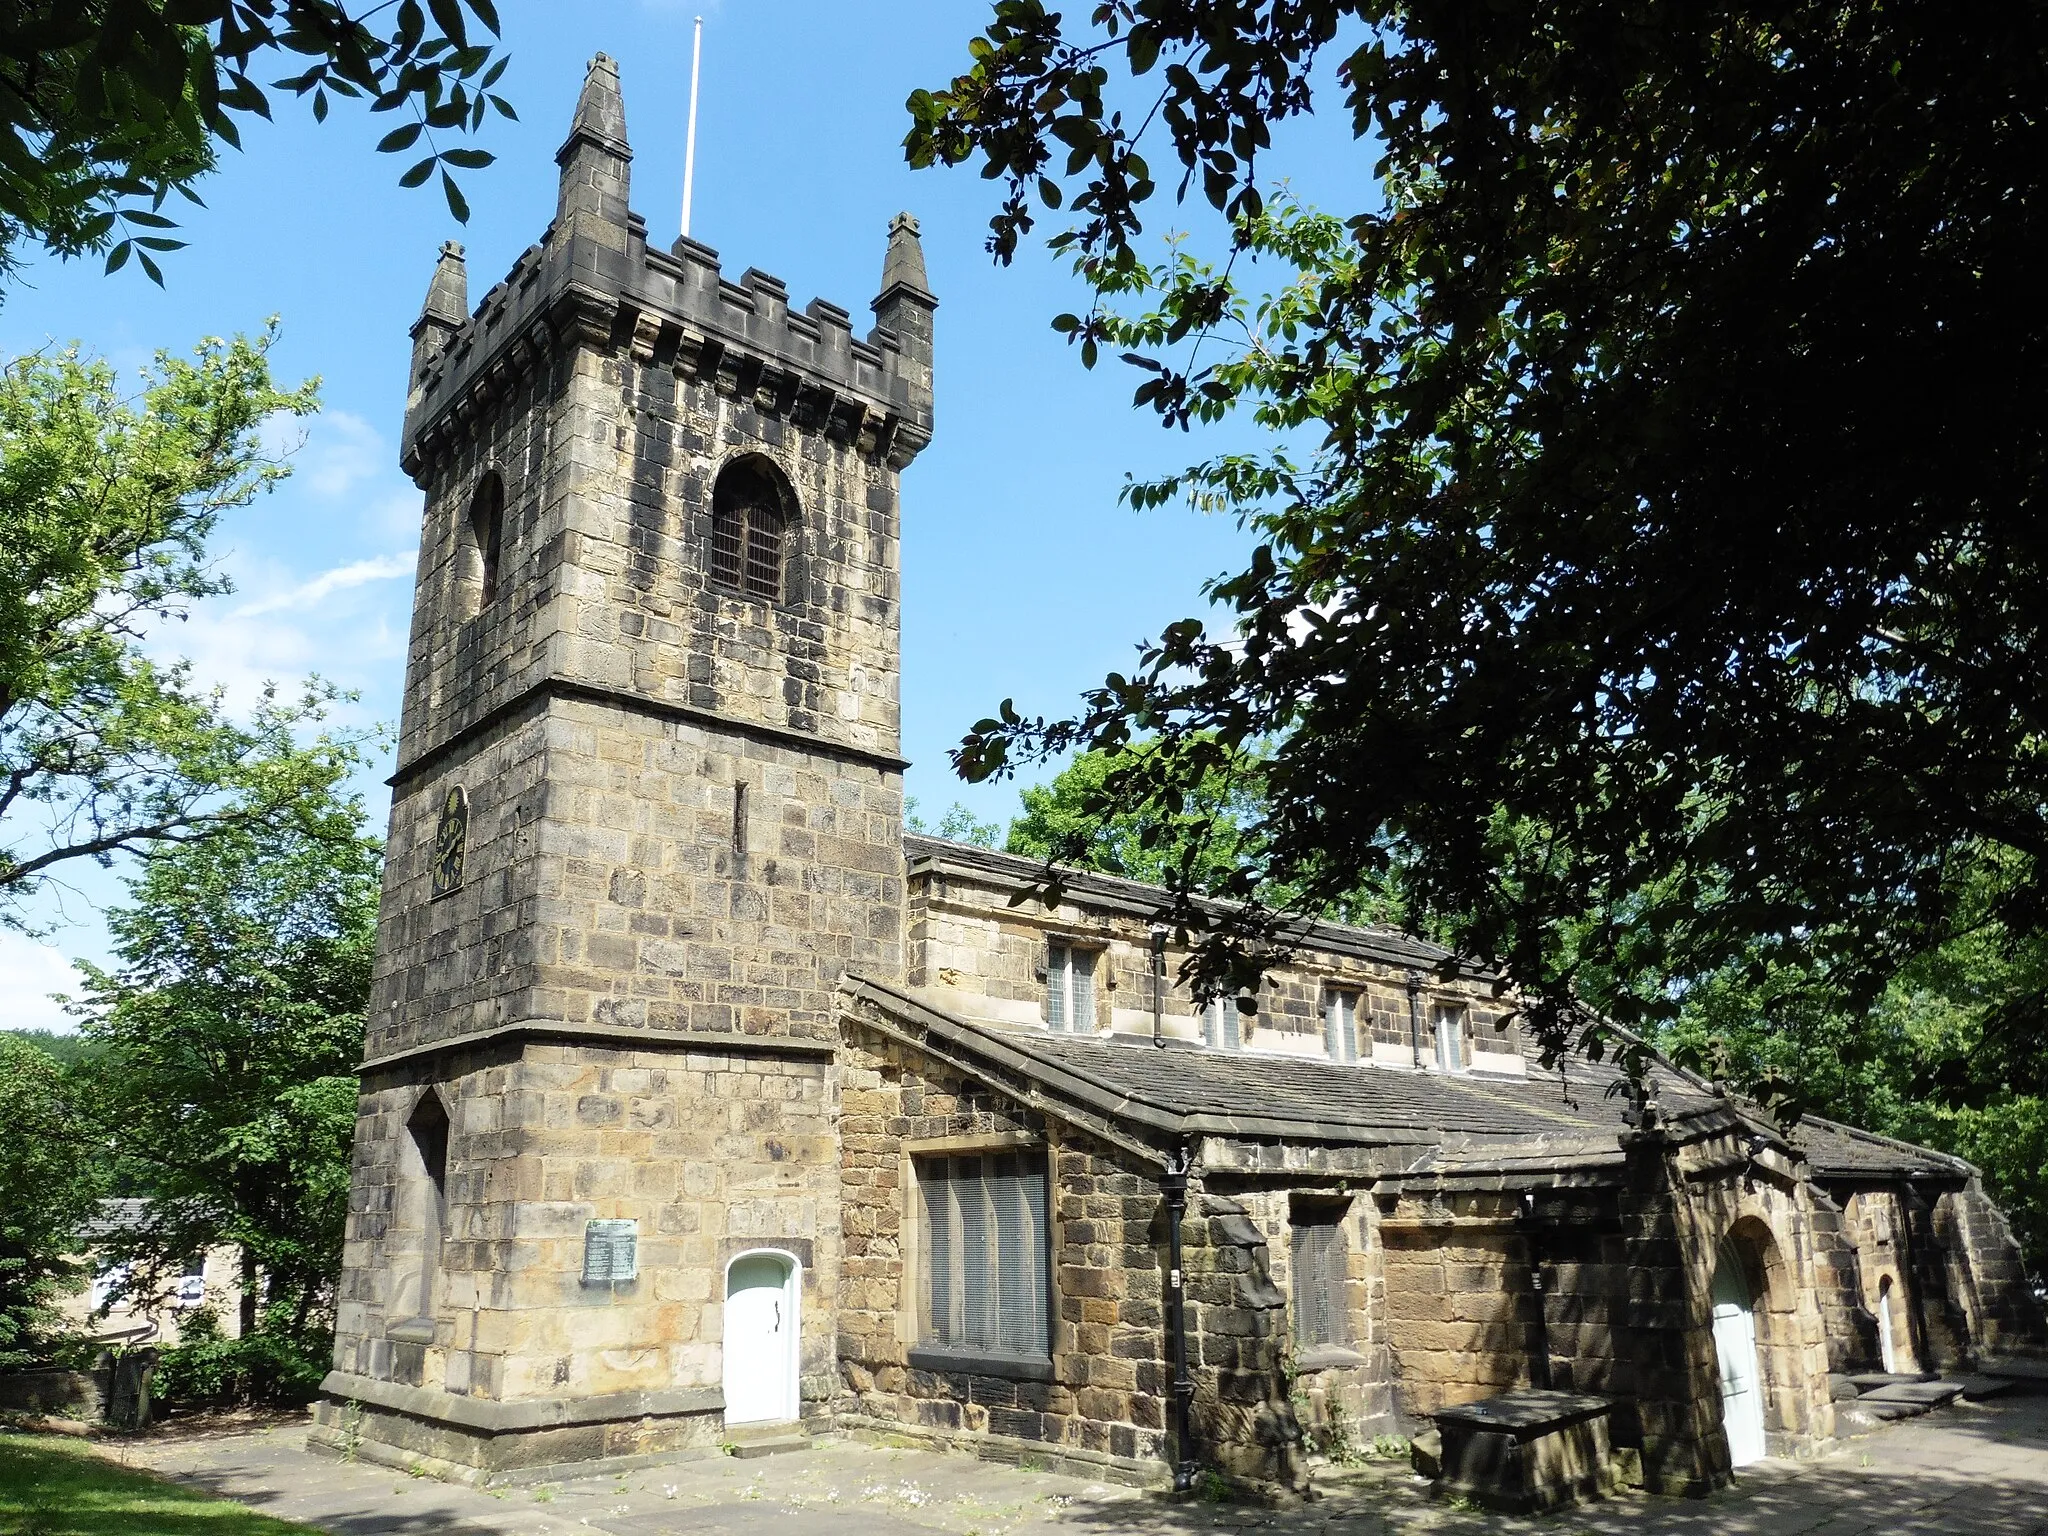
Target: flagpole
(690,144)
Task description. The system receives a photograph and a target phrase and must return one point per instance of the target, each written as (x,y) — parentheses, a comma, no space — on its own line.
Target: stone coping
(430,758)
(606,1034)
(1527,1414)
(499,1418)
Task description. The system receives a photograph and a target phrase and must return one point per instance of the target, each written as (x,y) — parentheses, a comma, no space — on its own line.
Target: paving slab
(1967,1471)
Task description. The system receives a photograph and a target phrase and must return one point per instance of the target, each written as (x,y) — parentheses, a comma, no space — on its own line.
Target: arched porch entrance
(1741,1369)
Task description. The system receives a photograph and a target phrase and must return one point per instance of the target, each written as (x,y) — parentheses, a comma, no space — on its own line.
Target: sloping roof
(1834,1150)
(1389,946)
(1185,1090)
(113,1218)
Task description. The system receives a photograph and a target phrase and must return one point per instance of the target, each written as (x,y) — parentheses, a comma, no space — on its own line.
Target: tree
(66,1049)
(959,825)
(1917,1064)
(49,1181)
(1661,584)
(109,106)
(1080,818)
(226,1047)
(105,508)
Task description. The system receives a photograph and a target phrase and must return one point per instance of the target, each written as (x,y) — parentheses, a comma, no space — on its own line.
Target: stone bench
(1527,1451)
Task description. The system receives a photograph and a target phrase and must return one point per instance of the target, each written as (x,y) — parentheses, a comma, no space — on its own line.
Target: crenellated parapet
(594,281)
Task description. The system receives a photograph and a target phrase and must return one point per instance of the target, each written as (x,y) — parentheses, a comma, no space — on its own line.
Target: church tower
(647,811)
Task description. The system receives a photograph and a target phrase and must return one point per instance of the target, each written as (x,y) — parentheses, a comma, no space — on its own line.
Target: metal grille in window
(1340,1026)
(611,1252)
(986,1269)
(764,553)
(728,544)
(1318,1262)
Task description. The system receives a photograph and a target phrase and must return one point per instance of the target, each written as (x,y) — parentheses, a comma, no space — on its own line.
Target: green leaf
(1143,48)
(468,159)
(402,137)
(448,17)
(117,258)
(456,203)
(419,173)
(155,272)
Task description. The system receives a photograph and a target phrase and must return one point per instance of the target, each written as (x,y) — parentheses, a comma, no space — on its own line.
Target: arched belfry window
(749,521)
(486,532)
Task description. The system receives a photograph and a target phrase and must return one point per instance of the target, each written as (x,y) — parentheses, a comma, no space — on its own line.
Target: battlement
(594,281)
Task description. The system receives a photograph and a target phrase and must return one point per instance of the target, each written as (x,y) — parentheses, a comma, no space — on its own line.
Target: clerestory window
(1223,1024)
(1450,1038)
(1070,989)
(1340,1025)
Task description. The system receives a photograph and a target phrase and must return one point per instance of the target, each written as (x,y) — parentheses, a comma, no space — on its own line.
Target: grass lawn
(53,1486)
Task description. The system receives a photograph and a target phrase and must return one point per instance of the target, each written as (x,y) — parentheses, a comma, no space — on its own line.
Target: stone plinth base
(1527,1451)
(473,1440)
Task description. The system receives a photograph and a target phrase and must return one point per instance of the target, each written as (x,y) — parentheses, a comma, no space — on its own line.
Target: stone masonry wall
(1851,1328)
(1990,1281)
(1106,1393)
(711,1152)
(604,887)
(976,955)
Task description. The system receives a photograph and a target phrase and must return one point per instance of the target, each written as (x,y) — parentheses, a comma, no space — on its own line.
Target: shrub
(275,1364)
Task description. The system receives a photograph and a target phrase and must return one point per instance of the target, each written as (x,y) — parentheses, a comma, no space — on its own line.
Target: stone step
(2016,1369)
(748,1446)
(1916,1395)
(1872,1381)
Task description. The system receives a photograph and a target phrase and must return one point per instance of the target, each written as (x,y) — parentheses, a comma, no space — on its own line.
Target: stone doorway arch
(1754,1256)
(1739,1362)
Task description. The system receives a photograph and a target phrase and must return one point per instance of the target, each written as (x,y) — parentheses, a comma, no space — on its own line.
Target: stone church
(699,1102)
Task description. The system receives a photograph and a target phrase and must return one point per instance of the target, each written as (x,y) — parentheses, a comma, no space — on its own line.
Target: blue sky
(1022,576)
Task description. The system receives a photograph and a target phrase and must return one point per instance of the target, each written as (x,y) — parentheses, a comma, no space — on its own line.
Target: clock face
(451,841)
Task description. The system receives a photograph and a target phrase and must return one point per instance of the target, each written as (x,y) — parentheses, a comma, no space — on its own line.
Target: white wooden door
(760,1339)
(1742,1397)
(1887,1350)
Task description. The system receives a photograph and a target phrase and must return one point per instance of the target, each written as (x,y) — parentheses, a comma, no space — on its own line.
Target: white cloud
(310,594)
(342,450)
(29,973)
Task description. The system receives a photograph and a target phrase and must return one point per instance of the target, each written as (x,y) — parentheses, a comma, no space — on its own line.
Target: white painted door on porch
(760,1339)
(1742,1397)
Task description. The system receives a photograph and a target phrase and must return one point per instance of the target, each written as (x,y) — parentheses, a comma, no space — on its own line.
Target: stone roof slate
(1842,1151)
(1186,1089)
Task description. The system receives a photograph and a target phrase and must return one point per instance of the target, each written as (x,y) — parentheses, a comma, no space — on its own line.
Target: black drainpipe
(1174,1184)
(1415,1015)
(1539,1331)
(1159,931)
